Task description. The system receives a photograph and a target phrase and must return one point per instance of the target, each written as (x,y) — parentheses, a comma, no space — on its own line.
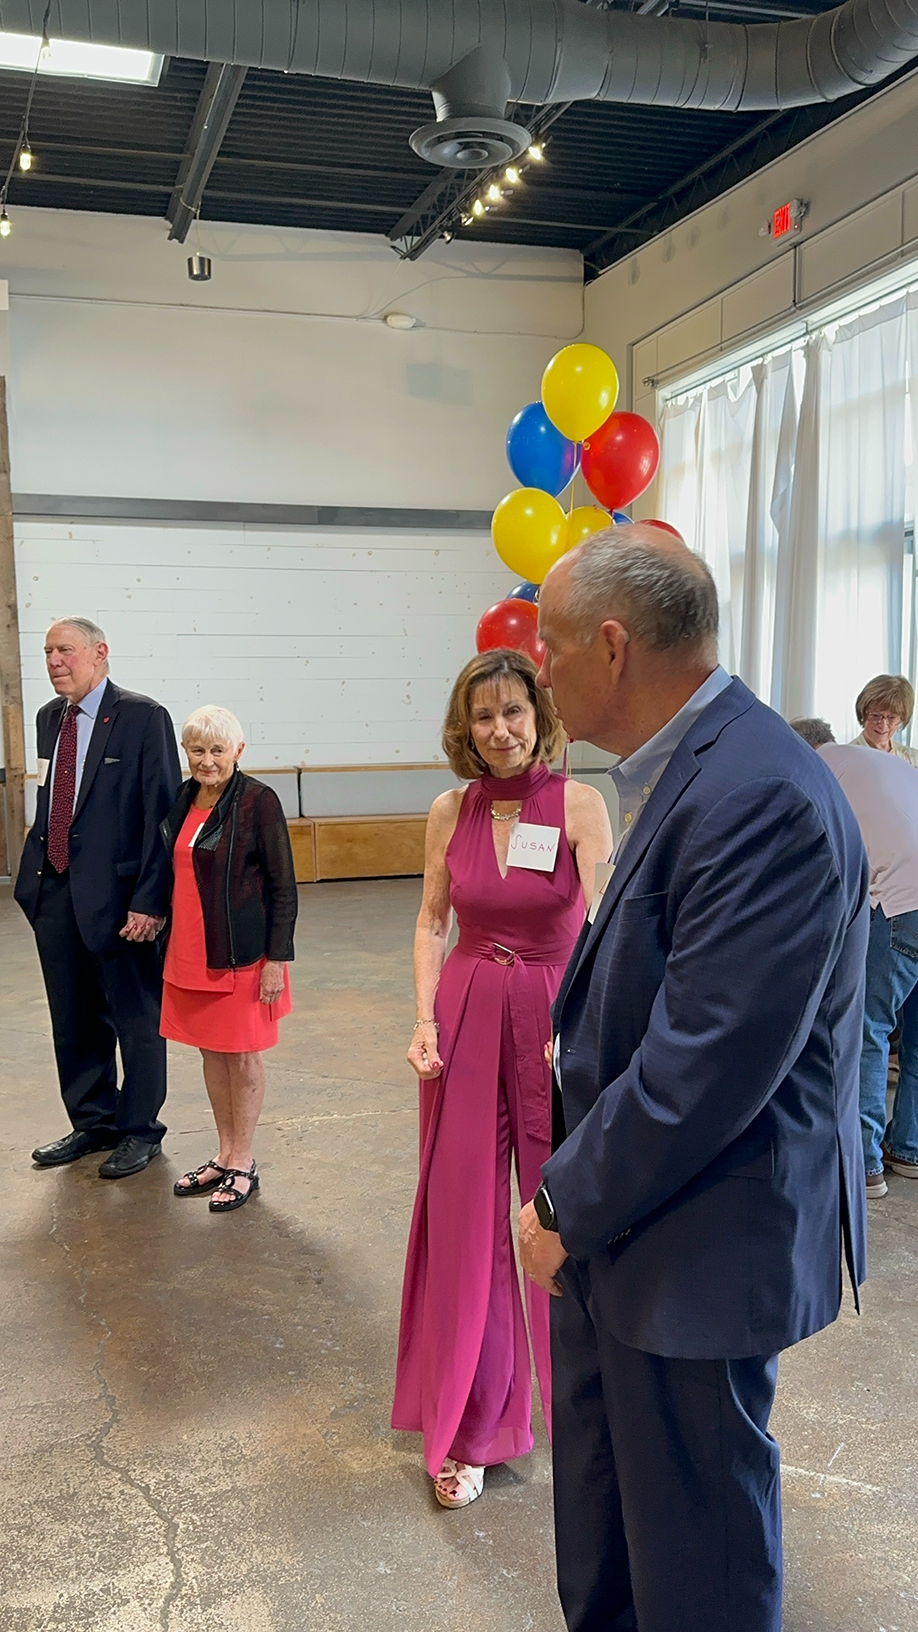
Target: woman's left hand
(272,982)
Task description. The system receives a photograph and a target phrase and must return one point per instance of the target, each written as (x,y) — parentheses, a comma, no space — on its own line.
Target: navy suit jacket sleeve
(758,911)
(160,777)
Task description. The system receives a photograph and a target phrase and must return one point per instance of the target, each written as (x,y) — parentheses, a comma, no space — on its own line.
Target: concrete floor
(195,1410)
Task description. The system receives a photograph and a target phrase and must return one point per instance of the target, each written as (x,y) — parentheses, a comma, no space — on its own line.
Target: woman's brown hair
(889,691)
(501,664)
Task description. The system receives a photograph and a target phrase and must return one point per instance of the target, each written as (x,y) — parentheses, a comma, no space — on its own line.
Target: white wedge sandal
(470,1481)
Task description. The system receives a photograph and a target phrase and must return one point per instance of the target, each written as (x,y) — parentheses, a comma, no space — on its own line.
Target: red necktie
(62,793)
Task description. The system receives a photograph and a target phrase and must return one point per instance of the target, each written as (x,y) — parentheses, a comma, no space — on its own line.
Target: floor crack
(97,1443)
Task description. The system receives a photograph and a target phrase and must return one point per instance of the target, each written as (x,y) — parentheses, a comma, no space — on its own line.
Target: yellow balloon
(579,390)
(585,521)
(529,529)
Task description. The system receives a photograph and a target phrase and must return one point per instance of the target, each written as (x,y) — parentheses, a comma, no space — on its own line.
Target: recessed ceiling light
(80,59)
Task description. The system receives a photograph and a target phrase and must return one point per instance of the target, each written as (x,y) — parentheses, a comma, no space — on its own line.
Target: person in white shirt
(883,794)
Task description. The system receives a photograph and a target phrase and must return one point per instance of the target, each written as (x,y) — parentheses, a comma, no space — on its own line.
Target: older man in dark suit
(709,1175)
(94,884)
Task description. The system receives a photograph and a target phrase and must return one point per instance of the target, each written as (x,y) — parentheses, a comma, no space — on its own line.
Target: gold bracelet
(434,1023)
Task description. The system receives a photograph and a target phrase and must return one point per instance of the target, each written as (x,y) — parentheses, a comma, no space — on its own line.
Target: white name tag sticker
(604,871)
(44,766)
(533,846)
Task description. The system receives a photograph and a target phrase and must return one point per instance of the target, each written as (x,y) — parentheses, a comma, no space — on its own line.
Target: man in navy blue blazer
(708,1180)
(94,884)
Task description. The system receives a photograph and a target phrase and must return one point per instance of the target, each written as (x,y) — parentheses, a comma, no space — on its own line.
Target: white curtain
(789,477)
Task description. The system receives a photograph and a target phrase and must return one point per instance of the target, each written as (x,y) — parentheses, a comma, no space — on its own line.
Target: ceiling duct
(477,57)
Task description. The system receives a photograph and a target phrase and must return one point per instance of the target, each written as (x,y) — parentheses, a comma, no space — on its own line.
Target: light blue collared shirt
(636,777)
(87,711)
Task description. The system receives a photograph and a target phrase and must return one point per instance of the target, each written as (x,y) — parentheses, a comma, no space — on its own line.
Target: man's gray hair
(90,631)
(816,732)
(665,597)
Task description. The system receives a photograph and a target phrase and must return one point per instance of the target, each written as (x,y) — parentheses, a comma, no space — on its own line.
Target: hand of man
(541,1252)
(272,982)
(141,927)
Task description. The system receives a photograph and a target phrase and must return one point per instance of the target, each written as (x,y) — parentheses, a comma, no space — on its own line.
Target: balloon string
(570,511)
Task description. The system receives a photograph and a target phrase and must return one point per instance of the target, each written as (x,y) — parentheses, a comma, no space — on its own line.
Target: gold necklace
(496,816)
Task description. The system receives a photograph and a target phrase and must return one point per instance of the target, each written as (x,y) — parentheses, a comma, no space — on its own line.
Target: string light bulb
(25,157)
(537,152)
(512,176)
(494,193)
(478,208)
(6,225)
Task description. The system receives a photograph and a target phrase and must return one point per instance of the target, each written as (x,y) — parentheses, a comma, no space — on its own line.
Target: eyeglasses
(883,719)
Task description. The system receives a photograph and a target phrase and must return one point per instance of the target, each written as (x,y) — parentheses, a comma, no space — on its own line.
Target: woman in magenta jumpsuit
(479,1048)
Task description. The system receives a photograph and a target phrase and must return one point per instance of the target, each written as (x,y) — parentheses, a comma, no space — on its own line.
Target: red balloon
(514,624)
(665,527)
(620,459)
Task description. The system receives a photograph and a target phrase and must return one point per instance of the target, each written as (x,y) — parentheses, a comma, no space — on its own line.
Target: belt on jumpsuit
(528,1043)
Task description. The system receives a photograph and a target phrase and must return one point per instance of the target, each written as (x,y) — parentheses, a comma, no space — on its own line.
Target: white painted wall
(712,285)
(275,383)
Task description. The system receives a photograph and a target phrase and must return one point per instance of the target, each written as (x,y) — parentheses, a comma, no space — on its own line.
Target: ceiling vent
(471,131)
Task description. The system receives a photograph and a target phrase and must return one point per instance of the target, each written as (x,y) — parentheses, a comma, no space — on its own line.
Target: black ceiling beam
(360,173)
(265,199)
(219,94)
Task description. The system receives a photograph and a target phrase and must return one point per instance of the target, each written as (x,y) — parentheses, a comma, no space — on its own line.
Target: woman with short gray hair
(225,984)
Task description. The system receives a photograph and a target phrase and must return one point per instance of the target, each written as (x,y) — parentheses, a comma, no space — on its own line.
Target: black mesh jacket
(244,870)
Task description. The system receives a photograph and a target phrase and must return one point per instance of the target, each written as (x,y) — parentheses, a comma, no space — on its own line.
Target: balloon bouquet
(573,428)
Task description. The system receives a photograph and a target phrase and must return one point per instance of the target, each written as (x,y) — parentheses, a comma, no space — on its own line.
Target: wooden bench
(327,847)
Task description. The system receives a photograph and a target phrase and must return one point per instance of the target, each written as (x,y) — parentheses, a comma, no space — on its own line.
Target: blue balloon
(525,592)
(620,519)
(538,454)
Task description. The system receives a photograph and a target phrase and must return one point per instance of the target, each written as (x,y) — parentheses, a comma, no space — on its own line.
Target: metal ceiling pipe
(554,50)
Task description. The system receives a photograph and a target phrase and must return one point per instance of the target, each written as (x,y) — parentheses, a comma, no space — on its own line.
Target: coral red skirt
(227,1022)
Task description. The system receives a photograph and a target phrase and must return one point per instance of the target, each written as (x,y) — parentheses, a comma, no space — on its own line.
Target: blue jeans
(891,997)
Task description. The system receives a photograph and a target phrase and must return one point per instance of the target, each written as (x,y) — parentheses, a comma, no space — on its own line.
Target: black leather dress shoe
(131,1156)
(72,1147)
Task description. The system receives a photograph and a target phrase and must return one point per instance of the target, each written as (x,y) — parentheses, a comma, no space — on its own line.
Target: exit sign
(782,221)
(786,218)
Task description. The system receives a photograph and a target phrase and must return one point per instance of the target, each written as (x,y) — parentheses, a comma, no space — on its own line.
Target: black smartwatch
(545,1212)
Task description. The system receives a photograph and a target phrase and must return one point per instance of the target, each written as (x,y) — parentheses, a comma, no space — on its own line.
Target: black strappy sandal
(238,1198)
(194,1187)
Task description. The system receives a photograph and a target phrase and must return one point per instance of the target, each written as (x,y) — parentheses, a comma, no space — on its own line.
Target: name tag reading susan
(534,847)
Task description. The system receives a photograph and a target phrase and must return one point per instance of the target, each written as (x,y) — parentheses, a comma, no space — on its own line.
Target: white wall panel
(833,256)
(332,649)
(693,336)
(765,295)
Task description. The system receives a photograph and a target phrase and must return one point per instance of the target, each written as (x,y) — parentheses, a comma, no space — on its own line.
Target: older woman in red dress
(225,983)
